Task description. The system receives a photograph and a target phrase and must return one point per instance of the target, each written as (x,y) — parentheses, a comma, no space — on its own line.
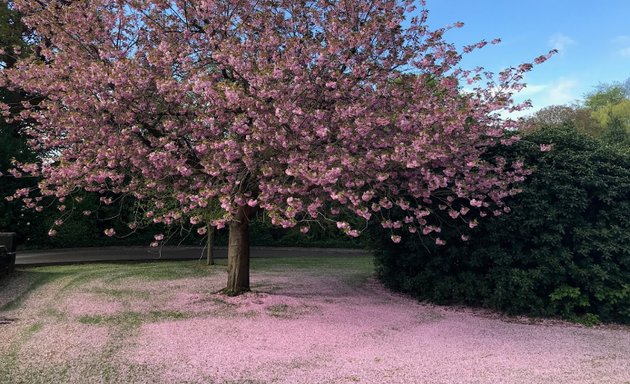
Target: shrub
(564,250)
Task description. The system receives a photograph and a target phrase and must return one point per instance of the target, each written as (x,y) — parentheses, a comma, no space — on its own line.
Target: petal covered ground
(318,320)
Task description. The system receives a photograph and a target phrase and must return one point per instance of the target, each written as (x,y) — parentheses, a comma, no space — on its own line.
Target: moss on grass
(120,293)
(158,271)
(132,319)
(328,263)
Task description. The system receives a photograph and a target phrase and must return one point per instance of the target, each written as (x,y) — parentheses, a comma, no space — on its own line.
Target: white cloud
(625,52)
(532,89)
(622,42)
(531,92)
(621,39)
(560,42)
(561,92)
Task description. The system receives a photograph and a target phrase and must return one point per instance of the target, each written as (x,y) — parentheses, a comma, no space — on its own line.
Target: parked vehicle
(7,252)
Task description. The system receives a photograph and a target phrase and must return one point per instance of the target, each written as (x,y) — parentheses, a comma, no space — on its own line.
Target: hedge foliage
(564,250)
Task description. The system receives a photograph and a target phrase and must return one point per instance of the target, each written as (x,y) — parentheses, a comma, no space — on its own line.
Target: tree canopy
(301,109)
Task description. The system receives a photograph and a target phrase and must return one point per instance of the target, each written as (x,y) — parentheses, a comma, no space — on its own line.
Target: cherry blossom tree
(299,108)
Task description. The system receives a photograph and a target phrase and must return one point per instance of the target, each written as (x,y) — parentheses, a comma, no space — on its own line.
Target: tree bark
(238,252)
(210,245)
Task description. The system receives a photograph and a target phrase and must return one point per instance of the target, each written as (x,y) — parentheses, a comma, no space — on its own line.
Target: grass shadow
(32,280)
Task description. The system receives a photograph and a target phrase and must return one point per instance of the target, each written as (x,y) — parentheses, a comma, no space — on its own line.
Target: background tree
(13,146)
(558,115)
(604,114)
(609,105)
(617,132)
(605,95)
(296,109)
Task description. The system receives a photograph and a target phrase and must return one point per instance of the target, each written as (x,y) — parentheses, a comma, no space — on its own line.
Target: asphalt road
(82,255)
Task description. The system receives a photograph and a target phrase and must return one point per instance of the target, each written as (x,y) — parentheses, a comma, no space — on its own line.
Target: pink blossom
(342,225)
(367,196)
(546,147)
(277,126)
(110,232)
(353,233)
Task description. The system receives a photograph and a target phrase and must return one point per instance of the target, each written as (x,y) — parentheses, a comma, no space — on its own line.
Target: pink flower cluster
(288,109)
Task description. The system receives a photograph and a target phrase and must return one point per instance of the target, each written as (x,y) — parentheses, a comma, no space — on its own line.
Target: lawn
(307,320)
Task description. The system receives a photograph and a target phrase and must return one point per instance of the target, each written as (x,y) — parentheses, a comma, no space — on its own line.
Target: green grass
(335,263)
(279,310)
(80,274)
(30,331)
(120,293)
(131,318)
(77,275)
(351,270)
(37,279)
(159,271)
(9,361)
(123,283)
(110,282)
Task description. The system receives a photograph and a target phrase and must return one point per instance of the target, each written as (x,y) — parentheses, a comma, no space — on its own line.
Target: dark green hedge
(564,250)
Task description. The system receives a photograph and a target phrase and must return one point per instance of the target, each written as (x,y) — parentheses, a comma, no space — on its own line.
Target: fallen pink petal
(329,322)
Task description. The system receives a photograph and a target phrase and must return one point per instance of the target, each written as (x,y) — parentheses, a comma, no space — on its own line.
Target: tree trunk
(210,245)
(238,252)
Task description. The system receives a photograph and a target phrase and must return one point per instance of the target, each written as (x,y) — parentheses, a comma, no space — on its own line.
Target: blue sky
(593,39)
